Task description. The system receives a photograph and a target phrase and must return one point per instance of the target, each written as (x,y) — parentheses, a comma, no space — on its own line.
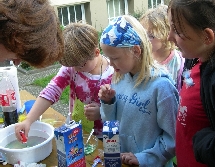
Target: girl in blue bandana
(142,96)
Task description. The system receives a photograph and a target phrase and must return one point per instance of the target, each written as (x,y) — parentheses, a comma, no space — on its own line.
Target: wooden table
(51,160)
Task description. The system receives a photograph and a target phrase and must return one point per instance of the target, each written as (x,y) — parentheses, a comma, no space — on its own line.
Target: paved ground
(25,83)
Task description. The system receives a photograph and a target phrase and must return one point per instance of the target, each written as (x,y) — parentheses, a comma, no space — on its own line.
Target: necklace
(99,81)
(75,93)
(93,97)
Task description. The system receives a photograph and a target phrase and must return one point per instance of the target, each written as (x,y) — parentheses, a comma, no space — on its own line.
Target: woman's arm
(204,146)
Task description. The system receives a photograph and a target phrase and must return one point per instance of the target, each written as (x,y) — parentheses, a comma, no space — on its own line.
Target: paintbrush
(88,139)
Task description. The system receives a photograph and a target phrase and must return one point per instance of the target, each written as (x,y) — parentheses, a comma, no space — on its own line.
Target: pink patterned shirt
(83,85)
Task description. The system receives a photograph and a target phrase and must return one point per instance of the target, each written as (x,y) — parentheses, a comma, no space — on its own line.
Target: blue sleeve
(164,147)
(108,111)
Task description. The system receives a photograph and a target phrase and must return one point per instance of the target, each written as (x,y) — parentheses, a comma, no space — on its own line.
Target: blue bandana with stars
(120,33)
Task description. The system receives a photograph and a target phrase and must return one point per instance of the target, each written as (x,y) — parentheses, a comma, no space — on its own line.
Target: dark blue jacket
(204,140)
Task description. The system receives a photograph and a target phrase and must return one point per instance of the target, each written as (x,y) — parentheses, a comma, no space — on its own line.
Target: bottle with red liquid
(8,100)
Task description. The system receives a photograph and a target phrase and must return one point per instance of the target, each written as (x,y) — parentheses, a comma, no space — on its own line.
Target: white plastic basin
(30,154)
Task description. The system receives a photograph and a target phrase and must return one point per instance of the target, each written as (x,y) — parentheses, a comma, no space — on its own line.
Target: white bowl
(30,154)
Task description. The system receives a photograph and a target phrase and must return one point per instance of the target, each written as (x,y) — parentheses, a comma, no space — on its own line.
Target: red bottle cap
(24,138)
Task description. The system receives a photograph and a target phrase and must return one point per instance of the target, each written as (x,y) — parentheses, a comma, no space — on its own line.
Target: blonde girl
(142,96)
(155,21)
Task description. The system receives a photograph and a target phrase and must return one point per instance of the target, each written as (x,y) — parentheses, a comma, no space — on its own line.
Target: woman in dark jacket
(193,31)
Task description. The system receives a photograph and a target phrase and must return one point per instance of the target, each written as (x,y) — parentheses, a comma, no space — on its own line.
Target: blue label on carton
(70,147)
(111,144)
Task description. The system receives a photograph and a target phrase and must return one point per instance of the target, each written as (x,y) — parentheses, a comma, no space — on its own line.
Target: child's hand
(92,111)
(129,158)
(24,127)
(106,93)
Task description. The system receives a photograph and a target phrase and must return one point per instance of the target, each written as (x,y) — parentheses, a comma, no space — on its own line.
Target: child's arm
(47,97)
(106,94)
(56,86)
(92,111)
(39,107)
(129,158)
(164,147)
(108,104)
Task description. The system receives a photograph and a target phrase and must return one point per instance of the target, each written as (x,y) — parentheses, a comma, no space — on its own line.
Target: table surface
(51,160)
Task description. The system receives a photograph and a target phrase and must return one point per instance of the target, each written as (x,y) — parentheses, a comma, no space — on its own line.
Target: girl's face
(194,47)
(157,44)
(8,55)
(90,65)
(122,59)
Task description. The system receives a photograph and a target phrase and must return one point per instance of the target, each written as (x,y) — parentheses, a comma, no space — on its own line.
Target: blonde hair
(147,62)
(80,41)
(155,21)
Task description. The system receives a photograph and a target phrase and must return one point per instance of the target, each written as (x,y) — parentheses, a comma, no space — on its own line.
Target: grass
(43,82)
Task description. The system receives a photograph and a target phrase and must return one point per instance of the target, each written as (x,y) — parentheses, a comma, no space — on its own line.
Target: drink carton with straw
(70,147)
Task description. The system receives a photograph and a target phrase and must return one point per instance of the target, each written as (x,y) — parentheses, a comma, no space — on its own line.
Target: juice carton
(111,144)
(70,147)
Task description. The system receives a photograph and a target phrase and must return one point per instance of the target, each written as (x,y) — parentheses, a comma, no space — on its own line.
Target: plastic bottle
(8,99)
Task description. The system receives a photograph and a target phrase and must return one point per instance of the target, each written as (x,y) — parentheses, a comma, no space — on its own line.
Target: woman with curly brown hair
(30,32)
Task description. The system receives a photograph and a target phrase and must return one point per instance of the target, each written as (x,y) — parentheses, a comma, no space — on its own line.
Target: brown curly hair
(80,41)
(31,29)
